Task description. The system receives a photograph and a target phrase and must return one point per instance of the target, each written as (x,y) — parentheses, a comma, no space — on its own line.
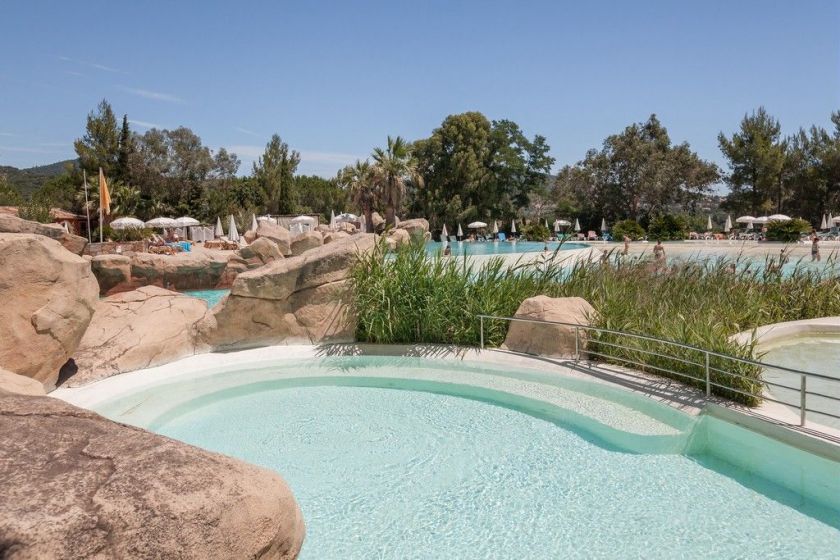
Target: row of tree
(470,168)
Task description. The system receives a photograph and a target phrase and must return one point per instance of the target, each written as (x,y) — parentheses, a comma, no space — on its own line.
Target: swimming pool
(814,354)
(212,297)
(393,457)
(499,247)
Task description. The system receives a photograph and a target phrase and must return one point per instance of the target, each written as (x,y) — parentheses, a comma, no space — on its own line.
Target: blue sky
(335,78)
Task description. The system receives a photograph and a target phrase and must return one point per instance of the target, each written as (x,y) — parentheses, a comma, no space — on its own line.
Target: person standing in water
(626,246)
(815,247)
(659,254)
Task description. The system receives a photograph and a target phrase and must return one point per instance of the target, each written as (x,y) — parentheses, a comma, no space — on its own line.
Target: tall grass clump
(410,297)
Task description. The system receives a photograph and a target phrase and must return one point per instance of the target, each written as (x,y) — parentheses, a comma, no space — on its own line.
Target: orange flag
(104,195)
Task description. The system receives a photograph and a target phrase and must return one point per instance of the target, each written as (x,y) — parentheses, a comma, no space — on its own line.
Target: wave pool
(420,458)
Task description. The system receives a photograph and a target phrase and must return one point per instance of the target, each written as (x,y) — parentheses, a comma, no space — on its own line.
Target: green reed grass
(409,297)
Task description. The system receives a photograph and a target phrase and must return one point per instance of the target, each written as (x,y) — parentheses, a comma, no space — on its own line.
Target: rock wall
(298,299)
(47,299)
(139,329)
(13,224)
(76,485)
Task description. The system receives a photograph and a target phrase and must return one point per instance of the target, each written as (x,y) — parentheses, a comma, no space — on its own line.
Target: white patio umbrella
(546,224)
(824,223)
(745,219)
(513,226)
(557,226)
(396,221)
(761,220)
(476,225)
(562,223)
(728,225)
(332,219)
(603,224)
(495,227)
(254,224)
(749,225)
(346,217)
(778,218)
(460,231)
(128,223)
(304,220)
(218,232)
(577,225)
(709,224)
(444,236)
(362,223)
(830,219)
(186,221)
(161,223)
(233,235)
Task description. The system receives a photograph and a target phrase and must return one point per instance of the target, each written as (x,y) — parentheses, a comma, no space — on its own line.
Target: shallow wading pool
(393,457)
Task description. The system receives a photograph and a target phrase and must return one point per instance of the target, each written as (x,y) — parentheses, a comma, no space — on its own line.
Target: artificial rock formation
(416,227)
(76,485)
(549,340)
(278,234)
(143,328)
(113,272)
(378,222)
(13,224)
(398,237)
(306,241)
(331,236)
(299,299)
(14,383)
(47,298)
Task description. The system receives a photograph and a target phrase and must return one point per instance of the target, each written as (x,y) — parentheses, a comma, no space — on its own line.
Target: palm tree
(358,179)
(393,169)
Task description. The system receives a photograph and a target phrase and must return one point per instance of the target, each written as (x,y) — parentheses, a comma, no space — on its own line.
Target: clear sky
(335,78)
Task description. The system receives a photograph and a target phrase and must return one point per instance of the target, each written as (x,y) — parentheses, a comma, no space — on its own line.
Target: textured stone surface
(306,241)
(113,272)
(138,329)
(47,298)
(416,227)
(331,236)
(299,299)
(264,250)
(278,234)
(13,224)
(549,340)
(199,269)
(76,485)
(377,221)
(400,237)
(19,384)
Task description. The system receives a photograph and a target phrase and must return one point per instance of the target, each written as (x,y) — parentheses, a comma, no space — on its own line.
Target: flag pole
(87,206)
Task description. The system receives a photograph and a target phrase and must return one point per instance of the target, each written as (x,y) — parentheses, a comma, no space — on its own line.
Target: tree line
(469,168)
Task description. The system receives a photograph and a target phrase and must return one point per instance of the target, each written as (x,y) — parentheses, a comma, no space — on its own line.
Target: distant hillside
(29,180)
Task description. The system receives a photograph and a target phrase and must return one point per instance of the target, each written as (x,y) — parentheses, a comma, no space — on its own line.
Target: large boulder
(13,224)
(306,241)
(143,328)
(378,222)
(416,227)
(331,236)
(299,299)
(278,234)
(14,383)
(347,227)
(113,272)
(199,269)
(262,251)
(76,485)
(47,298)
(400,237)
(549,340)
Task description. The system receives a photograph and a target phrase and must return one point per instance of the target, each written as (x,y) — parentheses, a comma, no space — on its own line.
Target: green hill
(30,179)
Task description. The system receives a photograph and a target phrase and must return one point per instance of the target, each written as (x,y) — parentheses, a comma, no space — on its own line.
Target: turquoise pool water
(499,248)
(403,468)
(814,354)
(212,297)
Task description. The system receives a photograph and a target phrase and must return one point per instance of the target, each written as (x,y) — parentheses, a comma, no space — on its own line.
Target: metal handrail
(803,375)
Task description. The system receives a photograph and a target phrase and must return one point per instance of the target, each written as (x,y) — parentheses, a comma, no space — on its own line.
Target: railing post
(802,399)
(708,377)
(482,332)
(577,344)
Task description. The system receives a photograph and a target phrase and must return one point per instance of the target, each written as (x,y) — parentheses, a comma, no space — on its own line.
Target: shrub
(668,227)
(409,298)
(535,232)
(122,235)
(787,231)
(630,228)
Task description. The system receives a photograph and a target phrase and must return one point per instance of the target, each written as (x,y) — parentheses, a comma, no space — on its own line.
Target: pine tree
(126,147)
(99,147)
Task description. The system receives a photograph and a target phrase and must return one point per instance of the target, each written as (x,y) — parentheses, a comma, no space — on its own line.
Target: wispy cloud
(72,73)
(145,124)
(6,134)
(96,65)
(154,95)
(310,156)
(248,132)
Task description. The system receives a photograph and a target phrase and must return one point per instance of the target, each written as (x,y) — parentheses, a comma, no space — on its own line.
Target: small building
(75,223)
